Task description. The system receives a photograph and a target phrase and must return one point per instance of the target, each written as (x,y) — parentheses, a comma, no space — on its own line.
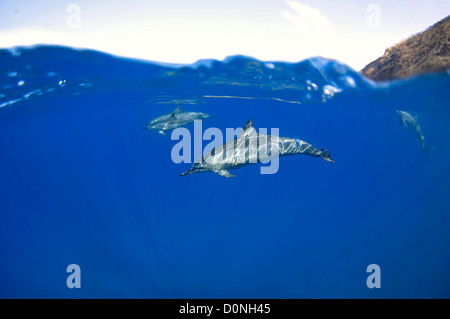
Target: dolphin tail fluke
(325,154)
(427,148)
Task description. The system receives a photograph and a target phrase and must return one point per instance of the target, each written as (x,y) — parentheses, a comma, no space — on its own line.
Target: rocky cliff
(428,51)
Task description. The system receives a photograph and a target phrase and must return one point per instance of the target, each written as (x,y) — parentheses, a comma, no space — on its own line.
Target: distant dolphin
(410,121)
(249,148)
(173,120)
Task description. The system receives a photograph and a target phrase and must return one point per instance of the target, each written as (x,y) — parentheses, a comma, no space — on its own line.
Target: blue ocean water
(82,183)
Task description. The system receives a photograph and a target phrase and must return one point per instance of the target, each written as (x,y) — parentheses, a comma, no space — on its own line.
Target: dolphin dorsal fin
(178,109)
(248,125)
(248,129)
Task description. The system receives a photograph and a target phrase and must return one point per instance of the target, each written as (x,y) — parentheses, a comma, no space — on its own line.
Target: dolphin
(249,148)
(174,119)
(410,121)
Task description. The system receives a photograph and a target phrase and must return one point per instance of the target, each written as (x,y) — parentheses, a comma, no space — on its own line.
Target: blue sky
(180,31)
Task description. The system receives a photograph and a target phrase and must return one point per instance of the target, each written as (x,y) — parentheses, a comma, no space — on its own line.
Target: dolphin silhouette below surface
(250,148)
(411,122)
(174,119)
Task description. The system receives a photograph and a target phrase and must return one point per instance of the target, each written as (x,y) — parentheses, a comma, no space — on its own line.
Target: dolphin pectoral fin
(224,173)
(161,132)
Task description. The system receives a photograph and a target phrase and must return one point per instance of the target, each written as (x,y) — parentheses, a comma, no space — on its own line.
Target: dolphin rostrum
(411,122)
(249,148)
(173,120)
